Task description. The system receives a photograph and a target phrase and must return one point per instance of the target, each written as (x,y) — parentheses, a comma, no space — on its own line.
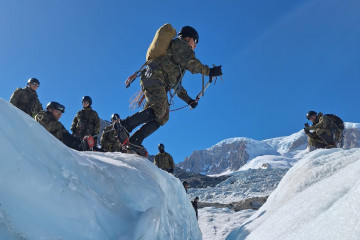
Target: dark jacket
(27,100)
(86,122)
(49,122)
(195,205)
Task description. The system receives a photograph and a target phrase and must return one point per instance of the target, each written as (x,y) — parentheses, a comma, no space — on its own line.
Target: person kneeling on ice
(162,74)
(49,119)
(327,130)
(109,139)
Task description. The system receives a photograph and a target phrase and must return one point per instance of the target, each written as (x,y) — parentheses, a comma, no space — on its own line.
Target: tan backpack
(157,48)
(161,42)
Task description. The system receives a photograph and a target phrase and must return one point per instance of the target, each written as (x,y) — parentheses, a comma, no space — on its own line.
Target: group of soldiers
(86,123)
(161,75)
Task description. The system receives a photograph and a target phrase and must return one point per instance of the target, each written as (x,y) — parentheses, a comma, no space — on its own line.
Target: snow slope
(49,191)
(317,199)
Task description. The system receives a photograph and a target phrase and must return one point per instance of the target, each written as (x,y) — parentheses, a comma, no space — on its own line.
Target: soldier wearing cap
(26,99)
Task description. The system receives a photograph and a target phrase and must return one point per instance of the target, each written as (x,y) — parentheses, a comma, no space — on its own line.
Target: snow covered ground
(48,191)
(217,223)
(317,199)
(241,185)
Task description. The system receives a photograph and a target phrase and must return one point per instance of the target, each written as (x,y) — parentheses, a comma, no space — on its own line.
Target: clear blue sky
(280,59)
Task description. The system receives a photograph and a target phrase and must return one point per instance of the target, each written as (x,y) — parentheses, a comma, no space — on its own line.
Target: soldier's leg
(156,97)
(326,135)
(156,100)
(70,141)
(146,130)
(316,142)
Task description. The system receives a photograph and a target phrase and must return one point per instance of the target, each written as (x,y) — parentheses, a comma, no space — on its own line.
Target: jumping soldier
(327,130)
(161,75)
(109,140)
(49,119)
(86,122)
(26,98)
(164,160)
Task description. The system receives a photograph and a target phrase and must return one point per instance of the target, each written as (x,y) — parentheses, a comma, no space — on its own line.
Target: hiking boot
(137,149)
(330,146)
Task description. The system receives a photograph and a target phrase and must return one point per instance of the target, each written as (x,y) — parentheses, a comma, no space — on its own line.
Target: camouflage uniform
(27,100)
(109,140)
(164,161)
(86,122)
(49,122)
(324,126)
(165,73)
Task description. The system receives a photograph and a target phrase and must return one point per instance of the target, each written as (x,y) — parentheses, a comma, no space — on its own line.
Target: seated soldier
(164,160)
(109,139)
(27,99)
(326,132)
(49,119)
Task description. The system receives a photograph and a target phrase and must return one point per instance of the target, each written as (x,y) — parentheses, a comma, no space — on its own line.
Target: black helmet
(161,146)
(115,116)
(33,81)
(87,99)
(185,183)
(188,31)
(56,106)
(310,114)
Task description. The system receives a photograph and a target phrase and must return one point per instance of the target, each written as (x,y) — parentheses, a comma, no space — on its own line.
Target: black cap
(188,31)
(87,99)
(34,81)
(115,116)
(56,106)
(310,114)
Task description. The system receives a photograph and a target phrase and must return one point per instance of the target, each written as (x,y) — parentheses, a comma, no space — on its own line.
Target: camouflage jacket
(168,70)
(86,122)
(49,122)
(323,122)
(164,161)
(27,100)
(109,140)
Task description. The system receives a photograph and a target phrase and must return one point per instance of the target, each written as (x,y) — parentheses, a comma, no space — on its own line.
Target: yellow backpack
(157,48)
(161,42)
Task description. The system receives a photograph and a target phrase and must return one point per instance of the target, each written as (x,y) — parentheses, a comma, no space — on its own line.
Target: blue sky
(280,59)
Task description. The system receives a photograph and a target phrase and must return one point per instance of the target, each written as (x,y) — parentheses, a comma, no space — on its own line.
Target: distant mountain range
(235,153)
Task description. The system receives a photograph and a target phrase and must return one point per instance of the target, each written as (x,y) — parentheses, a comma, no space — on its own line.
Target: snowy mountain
(49,191)
(316,200)
(243,153)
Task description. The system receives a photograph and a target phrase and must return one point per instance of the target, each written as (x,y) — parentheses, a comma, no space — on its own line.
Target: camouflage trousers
(320,135)
(156,98)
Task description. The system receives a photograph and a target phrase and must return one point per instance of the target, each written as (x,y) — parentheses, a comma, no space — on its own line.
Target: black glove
(193,103)
(215,71)
(306,128)
(170,170)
